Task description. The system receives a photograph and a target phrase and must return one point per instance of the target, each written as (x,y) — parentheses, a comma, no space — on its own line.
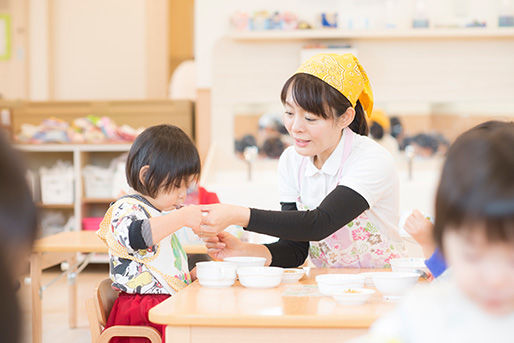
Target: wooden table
(63,247)
(239,314)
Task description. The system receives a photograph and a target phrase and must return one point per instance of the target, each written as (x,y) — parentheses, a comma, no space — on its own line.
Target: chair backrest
(105,297)
(98,309)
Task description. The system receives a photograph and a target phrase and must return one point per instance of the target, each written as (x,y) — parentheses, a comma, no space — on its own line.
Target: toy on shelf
(90,129)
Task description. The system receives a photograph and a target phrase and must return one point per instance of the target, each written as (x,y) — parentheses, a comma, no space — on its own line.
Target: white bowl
(260,277)
(392,285)
(246,261)
(216,274)
(368,280)
(292,275)
(353,296)
(408,264)
(329,284)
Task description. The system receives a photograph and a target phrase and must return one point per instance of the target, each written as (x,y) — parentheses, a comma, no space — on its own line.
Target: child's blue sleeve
(436,263)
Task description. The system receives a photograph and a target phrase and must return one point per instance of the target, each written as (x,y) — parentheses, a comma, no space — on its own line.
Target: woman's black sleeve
(286,253)
(339,207)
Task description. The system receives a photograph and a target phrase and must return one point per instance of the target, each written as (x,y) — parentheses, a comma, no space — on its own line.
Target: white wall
(100,49)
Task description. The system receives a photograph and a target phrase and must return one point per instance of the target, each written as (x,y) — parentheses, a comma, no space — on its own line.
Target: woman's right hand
(224,245)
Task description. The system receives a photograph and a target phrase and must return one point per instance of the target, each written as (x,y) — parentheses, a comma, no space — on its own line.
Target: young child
(474,226)
(147,262)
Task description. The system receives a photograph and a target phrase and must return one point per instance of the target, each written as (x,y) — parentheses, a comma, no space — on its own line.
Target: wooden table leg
(35,283)
(72,292)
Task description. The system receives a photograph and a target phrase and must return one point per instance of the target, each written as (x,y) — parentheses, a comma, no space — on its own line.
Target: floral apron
(358,244)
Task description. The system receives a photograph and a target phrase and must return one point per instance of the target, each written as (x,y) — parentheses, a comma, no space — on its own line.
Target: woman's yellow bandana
(344,73)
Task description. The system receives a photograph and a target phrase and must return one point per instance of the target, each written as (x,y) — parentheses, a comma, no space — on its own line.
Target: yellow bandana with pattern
(344,73)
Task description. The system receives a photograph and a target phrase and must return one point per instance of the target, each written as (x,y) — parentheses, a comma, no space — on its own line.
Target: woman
(338,188)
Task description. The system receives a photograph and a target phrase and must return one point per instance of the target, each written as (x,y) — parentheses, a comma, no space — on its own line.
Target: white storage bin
(98,182)
(57,184)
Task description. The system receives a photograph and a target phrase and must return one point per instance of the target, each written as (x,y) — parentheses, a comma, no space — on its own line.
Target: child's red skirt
(132,309)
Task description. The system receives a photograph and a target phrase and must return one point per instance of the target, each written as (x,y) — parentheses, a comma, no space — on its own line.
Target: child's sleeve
(129,223)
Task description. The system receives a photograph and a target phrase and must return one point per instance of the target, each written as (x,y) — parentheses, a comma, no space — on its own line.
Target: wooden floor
(55,305)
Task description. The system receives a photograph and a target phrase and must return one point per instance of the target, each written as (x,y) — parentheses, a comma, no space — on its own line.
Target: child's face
(172,199)
(483,270)
(313,135)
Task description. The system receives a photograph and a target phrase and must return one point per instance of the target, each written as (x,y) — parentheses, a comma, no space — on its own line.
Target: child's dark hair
(477,185)
(169,153)
(320,98)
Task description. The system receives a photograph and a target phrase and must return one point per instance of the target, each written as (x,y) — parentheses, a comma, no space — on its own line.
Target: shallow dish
(260,277)
(393,285)
(408,264)
(246,261)
(353,296)
(329,284)
(292,275)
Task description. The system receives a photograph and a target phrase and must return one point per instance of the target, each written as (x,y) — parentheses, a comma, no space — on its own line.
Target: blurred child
(474,226)
(147,262)
(18,229)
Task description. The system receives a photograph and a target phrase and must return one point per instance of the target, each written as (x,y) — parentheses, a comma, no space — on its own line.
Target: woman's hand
(218,217)
(420,228)
(226,245)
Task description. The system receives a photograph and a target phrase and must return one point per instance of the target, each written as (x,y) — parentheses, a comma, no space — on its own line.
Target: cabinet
(79,155)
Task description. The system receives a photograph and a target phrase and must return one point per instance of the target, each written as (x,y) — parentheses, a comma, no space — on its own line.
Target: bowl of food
(353,296)
(292,275)
(246,261)
(260,277)
(409,264)
(329,284)
(393,285)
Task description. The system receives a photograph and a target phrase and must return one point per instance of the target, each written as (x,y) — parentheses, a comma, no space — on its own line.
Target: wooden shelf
(98,200)
(55,206)
(472,32)
(73,147)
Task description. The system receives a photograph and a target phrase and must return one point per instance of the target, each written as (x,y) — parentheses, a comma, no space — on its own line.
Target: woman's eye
(289,113)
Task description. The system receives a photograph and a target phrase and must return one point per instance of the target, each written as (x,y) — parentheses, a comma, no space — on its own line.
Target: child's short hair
(477,184)
(171,156)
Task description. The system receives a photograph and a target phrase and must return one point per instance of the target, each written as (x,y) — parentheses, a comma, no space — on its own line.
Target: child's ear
(142,174)
(346,118)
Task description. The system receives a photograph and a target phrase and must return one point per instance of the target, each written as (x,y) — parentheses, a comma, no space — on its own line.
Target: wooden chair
(98,309)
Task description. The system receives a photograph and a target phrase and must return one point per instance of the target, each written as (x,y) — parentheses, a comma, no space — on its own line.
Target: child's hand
(193,274)
(192,215)
(421,229)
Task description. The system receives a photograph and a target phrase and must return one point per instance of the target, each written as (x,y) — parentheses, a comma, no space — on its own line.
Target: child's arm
(162,226)
(420,228)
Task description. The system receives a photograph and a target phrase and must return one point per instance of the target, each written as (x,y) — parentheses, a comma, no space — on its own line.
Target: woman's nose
(296,125)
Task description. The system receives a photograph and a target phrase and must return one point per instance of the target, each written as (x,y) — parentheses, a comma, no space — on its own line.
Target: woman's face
(313,135)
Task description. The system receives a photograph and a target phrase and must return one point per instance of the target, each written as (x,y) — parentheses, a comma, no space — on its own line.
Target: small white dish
(329,284)
(408,264)
(292,275)
(353,296)
(393,285)
(216,274)
(246,261)
(260,277)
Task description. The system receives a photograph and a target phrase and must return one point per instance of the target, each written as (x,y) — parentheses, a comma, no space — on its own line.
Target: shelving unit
(79,155)
(471,32)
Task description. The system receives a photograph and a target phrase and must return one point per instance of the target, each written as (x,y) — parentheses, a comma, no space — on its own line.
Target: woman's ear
(142,174)
(346,118)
